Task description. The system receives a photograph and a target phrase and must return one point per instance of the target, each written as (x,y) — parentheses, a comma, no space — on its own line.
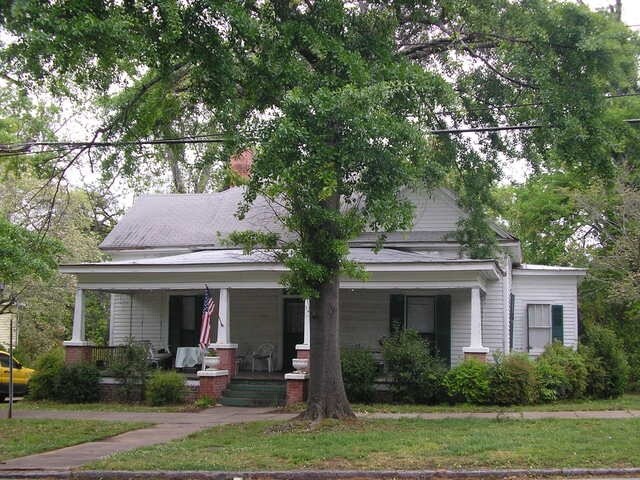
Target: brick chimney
(241,163)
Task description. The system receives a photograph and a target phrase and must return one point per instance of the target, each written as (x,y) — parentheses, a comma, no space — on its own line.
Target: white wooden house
(168,247)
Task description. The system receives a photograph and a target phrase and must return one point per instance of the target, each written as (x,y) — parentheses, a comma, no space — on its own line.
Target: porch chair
(263,352)
(155,356)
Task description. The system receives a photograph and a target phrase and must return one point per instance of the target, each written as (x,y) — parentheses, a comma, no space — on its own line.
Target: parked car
(21,376)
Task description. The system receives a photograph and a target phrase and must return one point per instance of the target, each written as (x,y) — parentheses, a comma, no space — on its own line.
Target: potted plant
(211,359)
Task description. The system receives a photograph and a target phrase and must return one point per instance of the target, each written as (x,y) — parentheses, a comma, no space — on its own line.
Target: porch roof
(223,259)
(388,268)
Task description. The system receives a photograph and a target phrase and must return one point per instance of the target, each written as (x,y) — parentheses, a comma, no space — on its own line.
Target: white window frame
(538,328)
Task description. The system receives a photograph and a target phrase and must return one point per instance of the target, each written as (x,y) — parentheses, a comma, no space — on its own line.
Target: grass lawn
(20,437)
(95,407)
(395,444)
(626,402)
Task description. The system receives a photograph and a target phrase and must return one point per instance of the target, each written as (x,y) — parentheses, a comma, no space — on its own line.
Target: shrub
(131,371)
(607,367)
(204,402)
(164,388)
(468,382)
(43,385)
(512,380)
(416,371)
(358,372)
(561,373)
(79,383)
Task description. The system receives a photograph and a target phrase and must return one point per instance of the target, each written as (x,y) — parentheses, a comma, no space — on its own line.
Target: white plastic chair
(263,352)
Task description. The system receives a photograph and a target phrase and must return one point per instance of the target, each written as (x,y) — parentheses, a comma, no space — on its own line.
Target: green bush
(79,383)
(468,382)
(204,402)
(416,371)
(512,380)
(359,373)
(131,371)
(43,385)
(165,388)
(561,373)
(607,367)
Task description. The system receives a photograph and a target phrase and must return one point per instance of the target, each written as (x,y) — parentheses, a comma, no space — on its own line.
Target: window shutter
(512,301)
(443,327)
(396,313)
(557,323)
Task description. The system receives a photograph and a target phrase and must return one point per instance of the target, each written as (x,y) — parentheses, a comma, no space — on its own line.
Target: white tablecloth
(188,357)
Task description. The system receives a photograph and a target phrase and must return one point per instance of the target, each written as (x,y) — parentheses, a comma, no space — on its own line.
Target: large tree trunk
(327,397)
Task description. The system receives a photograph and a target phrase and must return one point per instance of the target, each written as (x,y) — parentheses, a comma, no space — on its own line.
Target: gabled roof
(188,220)
(198,221)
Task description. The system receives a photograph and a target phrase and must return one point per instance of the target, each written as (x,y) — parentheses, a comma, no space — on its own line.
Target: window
(421,315)
(539,321)
(4,361)
(545,324)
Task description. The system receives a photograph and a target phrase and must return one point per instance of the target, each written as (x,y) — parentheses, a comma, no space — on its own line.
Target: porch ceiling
(388,268)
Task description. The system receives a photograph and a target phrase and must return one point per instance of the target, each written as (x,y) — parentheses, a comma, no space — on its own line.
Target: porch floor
(242,375)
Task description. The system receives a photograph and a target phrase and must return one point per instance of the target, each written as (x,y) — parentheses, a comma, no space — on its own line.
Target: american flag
(208,306)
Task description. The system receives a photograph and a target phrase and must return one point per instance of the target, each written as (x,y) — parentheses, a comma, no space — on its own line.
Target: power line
(24,148)
(77,145)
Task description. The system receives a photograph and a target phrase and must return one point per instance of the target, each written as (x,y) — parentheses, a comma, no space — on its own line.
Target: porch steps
(254,393)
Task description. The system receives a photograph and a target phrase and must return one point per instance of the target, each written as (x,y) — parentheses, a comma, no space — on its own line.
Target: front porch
(450,302)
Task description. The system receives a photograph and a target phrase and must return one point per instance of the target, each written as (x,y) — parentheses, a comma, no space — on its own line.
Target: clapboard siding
(460,324)
(4,329)
(549,289)
(140,316)
(436,211)
(493,317)
(364,317)
(256,318)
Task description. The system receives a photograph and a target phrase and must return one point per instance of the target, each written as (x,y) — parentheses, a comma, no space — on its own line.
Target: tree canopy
(340,101)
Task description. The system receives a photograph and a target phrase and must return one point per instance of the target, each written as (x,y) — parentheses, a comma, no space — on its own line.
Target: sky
(630,10)
(514,171)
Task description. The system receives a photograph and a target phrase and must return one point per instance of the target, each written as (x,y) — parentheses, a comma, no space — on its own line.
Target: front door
(185,319)
(293,330)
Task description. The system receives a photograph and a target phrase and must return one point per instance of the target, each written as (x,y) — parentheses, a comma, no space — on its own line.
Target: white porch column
(226,350)
(303,350)
(77,333)
(307,322)
(475,349)
(224,319)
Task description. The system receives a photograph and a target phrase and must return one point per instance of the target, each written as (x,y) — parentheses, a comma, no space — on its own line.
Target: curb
(316,474)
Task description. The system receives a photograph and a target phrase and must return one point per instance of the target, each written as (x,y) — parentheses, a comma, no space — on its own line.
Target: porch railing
(105,357)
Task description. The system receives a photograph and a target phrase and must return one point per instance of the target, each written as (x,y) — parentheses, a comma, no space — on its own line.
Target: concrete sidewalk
(602,414)
(172,426)
(167,427)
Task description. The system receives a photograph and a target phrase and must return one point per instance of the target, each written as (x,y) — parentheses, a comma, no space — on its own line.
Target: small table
(188,357)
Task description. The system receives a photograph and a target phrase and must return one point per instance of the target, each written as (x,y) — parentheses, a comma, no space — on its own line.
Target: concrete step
(229,392)
(256,388)
(253,381)
(250,402)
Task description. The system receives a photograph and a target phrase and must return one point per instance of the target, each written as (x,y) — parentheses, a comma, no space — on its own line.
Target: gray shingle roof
(181,220)
(205,220)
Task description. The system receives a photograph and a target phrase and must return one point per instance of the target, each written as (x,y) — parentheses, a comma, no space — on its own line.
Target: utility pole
(10,411)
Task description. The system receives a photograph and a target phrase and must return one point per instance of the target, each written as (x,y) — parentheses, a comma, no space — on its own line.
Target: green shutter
(443,327)
(396,313)
(512,302)
(557,323)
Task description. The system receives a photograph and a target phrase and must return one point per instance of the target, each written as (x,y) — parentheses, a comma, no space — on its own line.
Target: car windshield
(4,361)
